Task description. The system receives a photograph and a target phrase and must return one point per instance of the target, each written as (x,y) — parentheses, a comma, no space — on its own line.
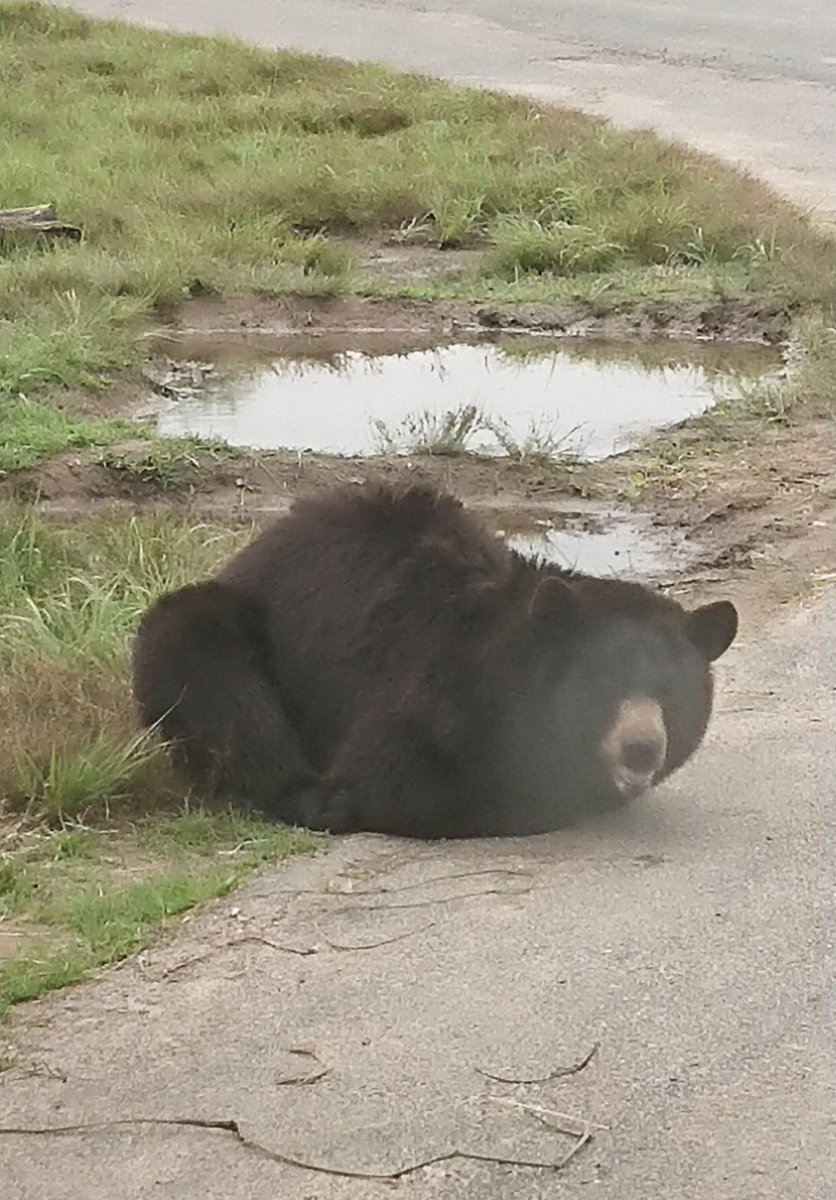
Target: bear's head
(624,682)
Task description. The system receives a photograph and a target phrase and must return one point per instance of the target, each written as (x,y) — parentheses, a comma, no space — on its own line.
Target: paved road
(754,83)
(691,938)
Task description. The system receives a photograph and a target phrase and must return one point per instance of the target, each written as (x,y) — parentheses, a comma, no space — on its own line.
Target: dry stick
(35,1069)
(422,883)
(314,1075)
(585,1137)
(559,1073)
(286,1160)
(410,887)
(374,945)
(559,1122)
(302,951)
(251,937)
(523,891)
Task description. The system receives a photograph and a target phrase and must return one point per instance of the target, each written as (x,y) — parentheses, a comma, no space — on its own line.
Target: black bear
(377,660)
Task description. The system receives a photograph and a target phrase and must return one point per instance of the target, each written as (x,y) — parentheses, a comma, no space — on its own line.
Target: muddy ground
(746,505)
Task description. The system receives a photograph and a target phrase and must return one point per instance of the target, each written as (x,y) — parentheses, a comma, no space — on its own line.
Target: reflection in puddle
(313,394)
(621,548)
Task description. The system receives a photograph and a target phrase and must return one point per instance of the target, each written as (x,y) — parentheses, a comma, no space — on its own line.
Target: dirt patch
(765,320)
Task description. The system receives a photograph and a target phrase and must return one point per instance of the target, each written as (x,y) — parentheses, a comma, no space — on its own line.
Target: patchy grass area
(31,429)
(804,394)
(203,166)
(78,897)
(164,464)
(83,879)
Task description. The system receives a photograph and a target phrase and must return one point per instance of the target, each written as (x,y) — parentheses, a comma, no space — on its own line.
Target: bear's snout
(635,745)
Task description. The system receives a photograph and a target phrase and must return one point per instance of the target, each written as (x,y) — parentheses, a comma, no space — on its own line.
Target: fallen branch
(287,1160)
(39,222)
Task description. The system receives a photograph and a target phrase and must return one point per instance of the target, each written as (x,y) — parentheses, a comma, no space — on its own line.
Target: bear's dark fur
(379,661)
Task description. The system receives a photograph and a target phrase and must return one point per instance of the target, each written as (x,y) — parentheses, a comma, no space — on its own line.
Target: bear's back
(362,589)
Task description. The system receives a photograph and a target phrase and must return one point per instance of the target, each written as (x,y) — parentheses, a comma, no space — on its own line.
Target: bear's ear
(712,628)
(554,599)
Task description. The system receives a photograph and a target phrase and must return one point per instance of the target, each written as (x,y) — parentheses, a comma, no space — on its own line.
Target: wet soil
(764,320)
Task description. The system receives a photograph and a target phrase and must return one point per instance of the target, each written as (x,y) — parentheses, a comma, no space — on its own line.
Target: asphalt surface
(753,83)
(691,938)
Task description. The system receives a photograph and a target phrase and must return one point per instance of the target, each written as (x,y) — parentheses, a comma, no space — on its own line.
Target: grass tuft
(446,434)
(70,599)
(526,245)
(450,434)
(27,977)
(110,926)
(70,783)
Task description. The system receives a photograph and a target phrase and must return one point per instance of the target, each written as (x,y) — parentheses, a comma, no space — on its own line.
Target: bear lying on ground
(379,661)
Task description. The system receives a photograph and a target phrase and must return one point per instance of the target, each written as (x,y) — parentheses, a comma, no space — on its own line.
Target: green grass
(445,435)
(808,384)
(202,166)
(450,435)
(26,978)
(85,802)
(32,429)
(166,464)
(70,599)
(78,912)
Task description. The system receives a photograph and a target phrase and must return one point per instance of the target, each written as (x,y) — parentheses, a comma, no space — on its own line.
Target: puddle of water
(596,541)
(360,395)
(623,549)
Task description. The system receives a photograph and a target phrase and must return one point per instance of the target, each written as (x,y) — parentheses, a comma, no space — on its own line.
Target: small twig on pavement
(400,937)
(508,872)
(312,1076)
(37,1068)
(303,951)
(558,1073)
(250,937)
(559,1122)
(521,891)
